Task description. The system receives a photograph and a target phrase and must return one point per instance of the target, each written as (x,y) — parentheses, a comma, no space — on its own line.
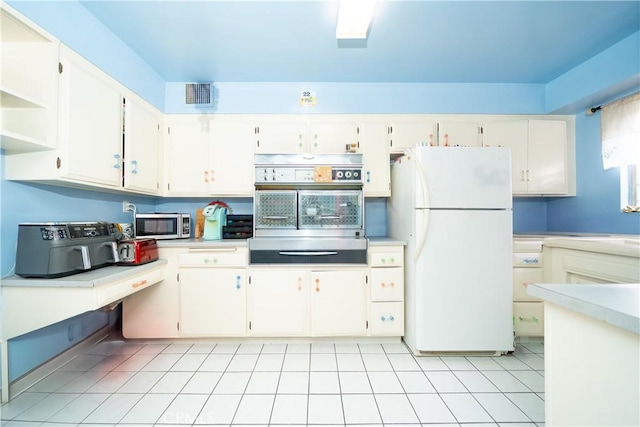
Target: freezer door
(463,177)
(463,296)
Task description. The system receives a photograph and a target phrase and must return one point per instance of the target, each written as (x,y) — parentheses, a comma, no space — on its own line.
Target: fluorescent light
(354,17)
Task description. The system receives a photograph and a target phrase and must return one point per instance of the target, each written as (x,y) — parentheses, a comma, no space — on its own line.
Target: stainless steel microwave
(163,225)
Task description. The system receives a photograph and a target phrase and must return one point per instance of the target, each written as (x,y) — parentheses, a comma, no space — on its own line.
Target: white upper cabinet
(307,134)
(458,134)
(231,157)
(209,156)
(375,152)
(141,146)
(29,85)
(333,136)
(407,132)
(90,122)
(187,155)
(539,154)
(279,134)
(106,137)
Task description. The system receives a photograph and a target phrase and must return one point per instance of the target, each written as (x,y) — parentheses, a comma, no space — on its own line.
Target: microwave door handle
(275,217)
(84,251)
(330,217)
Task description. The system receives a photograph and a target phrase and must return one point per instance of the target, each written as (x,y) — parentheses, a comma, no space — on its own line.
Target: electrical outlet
(126,206)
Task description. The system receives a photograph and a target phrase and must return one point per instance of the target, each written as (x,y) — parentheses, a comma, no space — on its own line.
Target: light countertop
(89,279)
(199,243)
(616,304)
(622,246)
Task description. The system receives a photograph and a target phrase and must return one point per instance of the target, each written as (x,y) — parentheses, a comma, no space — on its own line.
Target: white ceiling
(409,41)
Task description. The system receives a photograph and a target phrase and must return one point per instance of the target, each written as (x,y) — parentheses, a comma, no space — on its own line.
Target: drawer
(387,284)
(528,318)
(527,245)
(522,276)
(527,259)
(386,258)
(224,257)
(387,319)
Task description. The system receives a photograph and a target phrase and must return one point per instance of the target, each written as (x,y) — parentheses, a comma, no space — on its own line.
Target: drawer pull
(529,319)
(138,284)
(237,282)
(385,319)
(214,250)
(390,284)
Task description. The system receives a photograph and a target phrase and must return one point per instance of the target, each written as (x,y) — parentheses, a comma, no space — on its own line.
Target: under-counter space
(592,348)
(30,304)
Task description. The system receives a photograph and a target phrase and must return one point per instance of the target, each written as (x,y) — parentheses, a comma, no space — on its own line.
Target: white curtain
(621,132)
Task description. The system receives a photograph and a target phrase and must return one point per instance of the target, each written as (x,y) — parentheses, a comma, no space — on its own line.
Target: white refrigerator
(453,207)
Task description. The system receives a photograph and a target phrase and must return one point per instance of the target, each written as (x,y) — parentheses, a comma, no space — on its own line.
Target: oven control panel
(309,175)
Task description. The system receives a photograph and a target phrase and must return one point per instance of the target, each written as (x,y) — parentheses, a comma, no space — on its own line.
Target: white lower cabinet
(277,302)
(387,290)
(213,293)
(528,311)
(338,302)
(154,312)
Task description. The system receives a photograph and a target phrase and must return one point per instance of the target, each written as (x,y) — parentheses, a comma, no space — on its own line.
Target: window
(621,147)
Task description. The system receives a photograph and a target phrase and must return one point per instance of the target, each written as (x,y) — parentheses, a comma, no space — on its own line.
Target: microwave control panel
(309,175)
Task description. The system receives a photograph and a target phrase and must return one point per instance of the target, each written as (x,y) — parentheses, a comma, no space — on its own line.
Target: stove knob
(348,174)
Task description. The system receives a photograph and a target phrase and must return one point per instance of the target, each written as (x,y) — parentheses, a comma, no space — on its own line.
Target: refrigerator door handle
(424,185)
(421,233)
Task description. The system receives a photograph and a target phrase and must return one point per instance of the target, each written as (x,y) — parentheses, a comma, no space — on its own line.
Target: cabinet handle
(390,284)
(317,285)
(117,158)
(528,175)
(299,283)
(522,175)
(529,319)
(206,176)
(368,176)
(238,282)
(431,143)
(446,139)
(134,164)
(390,318)
(213,176)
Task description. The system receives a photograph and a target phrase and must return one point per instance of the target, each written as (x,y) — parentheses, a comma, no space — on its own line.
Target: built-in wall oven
(308,209)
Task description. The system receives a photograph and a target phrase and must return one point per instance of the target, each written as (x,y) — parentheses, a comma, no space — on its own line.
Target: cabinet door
(232,147)
(515,135)
(338,303)
(547,157)
(154,312)
(278,136)
(277,302)
(212,302)
(404,135)
(141,145)
(375,151)
(90,122)
(332,136)
(187,155)
(459,134)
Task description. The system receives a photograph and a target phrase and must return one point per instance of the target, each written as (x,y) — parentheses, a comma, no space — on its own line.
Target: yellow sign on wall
(307,99)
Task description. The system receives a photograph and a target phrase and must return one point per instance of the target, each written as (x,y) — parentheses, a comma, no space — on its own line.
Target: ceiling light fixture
(354,17)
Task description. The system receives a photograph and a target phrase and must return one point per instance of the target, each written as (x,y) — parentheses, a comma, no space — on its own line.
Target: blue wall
(595,209)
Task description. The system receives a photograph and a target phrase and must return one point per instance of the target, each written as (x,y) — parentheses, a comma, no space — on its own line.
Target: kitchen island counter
(592,348)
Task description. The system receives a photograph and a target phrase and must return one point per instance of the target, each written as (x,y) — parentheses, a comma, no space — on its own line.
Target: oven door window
(275,209)
(330,209)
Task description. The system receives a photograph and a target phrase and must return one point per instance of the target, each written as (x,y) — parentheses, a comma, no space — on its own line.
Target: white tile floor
(124,383)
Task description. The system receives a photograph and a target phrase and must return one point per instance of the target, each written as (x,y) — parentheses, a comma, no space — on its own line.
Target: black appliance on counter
(57,249)
(238,227)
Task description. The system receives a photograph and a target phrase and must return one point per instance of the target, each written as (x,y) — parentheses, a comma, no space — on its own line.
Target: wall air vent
(197,94)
